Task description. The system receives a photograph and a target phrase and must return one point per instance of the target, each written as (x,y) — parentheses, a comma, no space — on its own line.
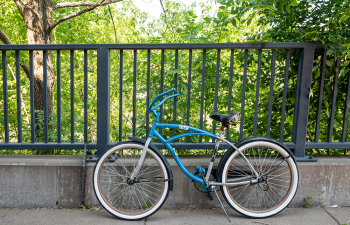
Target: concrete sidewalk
(315,215)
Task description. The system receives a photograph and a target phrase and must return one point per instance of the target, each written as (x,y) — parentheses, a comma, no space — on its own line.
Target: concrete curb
(53,181)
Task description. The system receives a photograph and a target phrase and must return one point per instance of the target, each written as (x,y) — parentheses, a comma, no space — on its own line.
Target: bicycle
(258,176)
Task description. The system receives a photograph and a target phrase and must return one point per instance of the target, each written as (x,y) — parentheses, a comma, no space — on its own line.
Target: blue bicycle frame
(166,142)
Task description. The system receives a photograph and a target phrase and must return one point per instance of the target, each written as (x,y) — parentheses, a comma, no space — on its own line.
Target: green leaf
(330,51)
(174,71)
(249,21)
(288,8)
(329,63)
(294,3)
(271,7)
(233,21)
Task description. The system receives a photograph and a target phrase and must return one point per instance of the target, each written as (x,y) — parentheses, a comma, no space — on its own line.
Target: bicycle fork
(141,161)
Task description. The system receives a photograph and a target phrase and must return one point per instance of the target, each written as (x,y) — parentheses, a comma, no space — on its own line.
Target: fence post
(103,58)
(302,102)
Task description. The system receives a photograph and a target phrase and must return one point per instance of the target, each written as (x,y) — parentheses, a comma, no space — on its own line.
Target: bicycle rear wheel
(276,188)
(130,200)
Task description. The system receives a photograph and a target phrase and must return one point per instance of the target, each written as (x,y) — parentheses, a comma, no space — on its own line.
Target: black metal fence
(298,140)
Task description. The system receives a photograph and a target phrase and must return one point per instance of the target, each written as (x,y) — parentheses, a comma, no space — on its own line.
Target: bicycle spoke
(120,163)
(153,187)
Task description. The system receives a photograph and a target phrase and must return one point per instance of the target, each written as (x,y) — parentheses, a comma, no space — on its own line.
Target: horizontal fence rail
(255,79)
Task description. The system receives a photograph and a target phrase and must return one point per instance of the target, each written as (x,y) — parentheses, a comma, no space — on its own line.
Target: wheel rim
(274,189)
(138,198)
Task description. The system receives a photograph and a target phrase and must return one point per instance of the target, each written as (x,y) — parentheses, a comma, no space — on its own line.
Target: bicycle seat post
(221,135)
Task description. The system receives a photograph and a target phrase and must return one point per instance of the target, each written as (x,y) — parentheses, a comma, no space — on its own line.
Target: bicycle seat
(225,119)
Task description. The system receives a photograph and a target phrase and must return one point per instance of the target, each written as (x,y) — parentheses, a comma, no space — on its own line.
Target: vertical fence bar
(243,93)
(302,101)
(284,101)
(161,89)
(32,109)
(134,96)
(320,95)
(4,77)
(72,96)
(121,97)
(202,92)
(334,100)
(345,118)
(216,90)
(255,126)
(230,90)
(58,96)
(175,86)
(103,87)
(189,90)
(86,96)
(46,140)
(268,130)
(19,102)
(148,89)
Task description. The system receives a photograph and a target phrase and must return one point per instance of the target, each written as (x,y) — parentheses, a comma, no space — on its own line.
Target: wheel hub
(263,184)
(129,181)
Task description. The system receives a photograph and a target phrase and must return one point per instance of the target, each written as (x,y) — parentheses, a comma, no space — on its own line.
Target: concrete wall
(52,181)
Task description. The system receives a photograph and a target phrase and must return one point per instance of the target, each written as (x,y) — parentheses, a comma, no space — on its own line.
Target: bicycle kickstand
(213,188)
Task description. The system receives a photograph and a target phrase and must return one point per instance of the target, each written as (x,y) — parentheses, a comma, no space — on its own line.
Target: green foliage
(147,204)
(303,21)
(233,21)
(307,21)
(308,202)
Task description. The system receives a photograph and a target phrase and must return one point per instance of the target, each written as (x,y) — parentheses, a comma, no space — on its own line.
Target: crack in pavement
(331,216)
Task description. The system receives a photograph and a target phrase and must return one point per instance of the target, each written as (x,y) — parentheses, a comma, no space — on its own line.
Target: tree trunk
(38,19)
(37,15)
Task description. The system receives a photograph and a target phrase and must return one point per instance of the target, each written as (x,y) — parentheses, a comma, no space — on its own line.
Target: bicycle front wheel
(277,184)
(130,200)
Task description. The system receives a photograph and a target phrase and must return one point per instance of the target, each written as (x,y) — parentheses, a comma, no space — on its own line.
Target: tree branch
(76,4)
(97,4)
(72,4)
(115,31)
(25,68)
(6,40)
(20,6)
(166,19)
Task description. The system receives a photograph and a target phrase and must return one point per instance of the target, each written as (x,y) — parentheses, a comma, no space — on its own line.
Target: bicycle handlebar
(171,96)
(161,95)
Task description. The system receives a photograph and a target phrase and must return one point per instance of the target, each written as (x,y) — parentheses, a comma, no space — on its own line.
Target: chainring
(199,186)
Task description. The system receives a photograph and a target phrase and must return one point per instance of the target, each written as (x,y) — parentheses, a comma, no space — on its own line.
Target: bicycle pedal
(210,196)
